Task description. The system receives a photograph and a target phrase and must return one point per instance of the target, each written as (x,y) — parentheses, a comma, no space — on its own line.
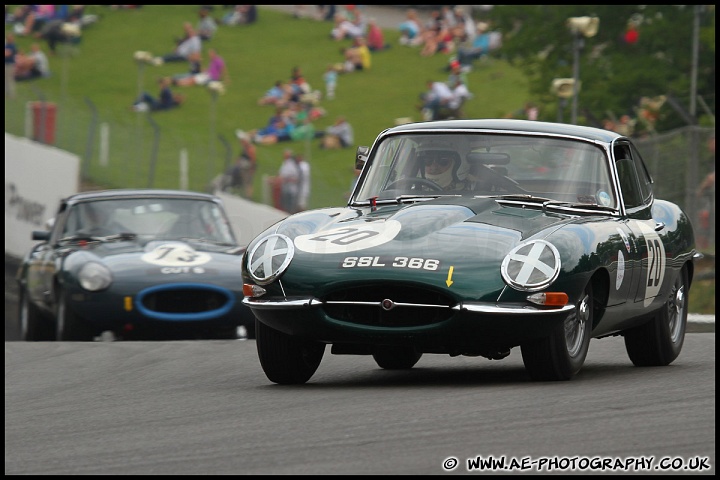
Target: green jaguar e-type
(472,237)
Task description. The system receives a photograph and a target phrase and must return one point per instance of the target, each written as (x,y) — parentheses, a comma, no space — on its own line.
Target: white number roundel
(359,236)
(176,255)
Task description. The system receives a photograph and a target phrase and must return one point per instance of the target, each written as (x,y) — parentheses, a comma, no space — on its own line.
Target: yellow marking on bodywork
(449,281)
(128,304)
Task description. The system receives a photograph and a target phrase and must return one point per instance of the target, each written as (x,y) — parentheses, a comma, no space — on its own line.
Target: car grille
(187,300)
(363,306)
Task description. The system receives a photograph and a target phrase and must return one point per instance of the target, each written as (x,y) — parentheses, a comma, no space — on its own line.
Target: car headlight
(531,266)
(269,258)
(94,276)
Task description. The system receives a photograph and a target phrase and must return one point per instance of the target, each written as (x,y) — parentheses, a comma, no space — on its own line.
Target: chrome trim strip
(300,302)
(467,306)
(498,310)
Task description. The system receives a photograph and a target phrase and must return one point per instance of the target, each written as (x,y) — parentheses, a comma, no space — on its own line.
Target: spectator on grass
(187,46)
(33,65)
(437,96)
(58,31)
(436,39)
(10,60)
(330,77)
(465,29)
(299,86)
(375,37)
(242,173)
(411,28)
(278,95)
(166,99)
(216,72)
(357,57)
(481,46)
(194,65)
(289,176)
(303,194)
(206,26)
(345,29)
(338,135)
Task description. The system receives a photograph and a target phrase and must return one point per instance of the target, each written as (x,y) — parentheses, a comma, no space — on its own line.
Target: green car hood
(443,243)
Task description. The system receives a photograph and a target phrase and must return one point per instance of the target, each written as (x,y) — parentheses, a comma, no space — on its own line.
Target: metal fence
(141,154)
(133,151)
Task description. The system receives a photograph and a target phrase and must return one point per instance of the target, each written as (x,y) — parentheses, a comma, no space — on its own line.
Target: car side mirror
(43,235)
(361,157)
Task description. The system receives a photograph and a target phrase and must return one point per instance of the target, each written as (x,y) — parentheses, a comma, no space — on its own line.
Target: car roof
(138,193)
(510,126)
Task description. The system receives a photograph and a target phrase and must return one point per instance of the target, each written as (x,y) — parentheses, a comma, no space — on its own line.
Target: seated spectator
(195,67)
(357,57)
(165,101)
(206,26)
(453,109)
(216,72)
(464,29)
(33,65)
(436,97)
(482,45)
(241,15)
(337,135)
(411,28)
(298,85)
(375,37)
(345,29)
(456,72)
(437,39)
(278,131)
(58,31)
(279,95)
(187,46)
(30,19)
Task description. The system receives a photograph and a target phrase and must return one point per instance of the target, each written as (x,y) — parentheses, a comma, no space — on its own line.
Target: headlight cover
(94,276)
(269,258)
(531,266)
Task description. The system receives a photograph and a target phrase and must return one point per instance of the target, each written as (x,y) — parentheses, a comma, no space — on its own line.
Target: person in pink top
(375,37)
(216,72)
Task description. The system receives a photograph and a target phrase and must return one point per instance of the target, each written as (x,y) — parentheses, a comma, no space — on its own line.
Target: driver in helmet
(440,167)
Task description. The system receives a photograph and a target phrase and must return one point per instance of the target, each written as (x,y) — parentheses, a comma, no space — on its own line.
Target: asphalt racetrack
(206,407)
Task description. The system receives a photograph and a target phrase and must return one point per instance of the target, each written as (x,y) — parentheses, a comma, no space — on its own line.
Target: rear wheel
(68,327)
(561,355)
(285,359)
(396,358)
(659,341)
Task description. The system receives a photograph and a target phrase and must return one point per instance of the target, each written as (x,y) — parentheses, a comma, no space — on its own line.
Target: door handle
(659,226)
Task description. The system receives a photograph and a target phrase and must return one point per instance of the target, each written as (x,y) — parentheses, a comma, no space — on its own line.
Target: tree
(615,73)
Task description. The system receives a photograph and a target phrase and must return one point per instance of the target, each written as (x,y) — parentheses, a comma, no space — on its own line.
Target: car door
(648,236)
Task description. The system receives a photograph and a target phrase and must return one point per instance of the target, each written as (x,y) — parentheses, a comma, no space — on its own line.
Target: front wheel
(285,359)
(396,358)
(32,326)
(68,327)
(561,355)
(658,342)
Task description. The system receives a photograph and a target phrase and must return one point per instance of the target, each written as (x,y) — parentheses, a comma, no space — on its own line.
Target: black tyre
(31,325)
(561,355)
(68,327)
(396,358)
(250,331)
(658,342)
(285,359)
